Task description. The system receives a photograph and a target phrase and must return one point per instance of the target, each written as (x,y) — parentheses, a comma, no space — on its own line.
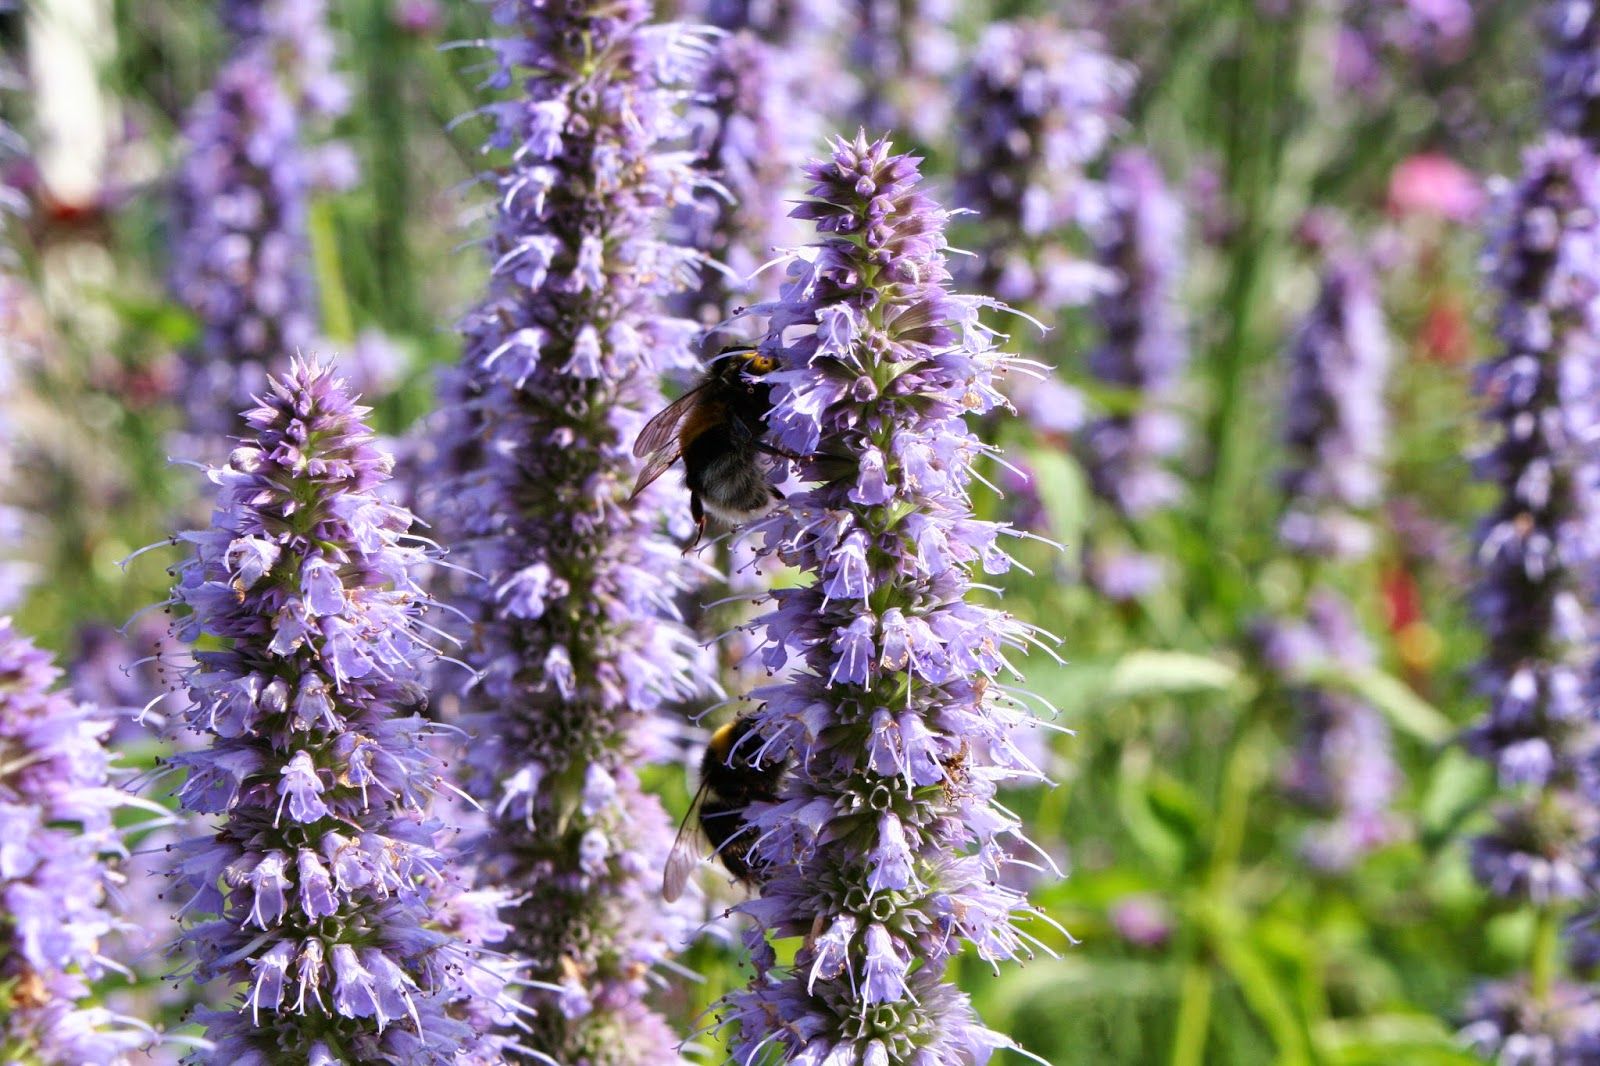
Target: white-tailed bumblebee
(731,778)
(716,428)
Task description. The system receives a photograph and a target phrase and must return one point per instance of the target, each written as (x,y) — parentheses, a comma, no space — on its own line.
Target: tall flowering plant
(56,827)
(331,904)
(242,254)
(578,641)
(1335,430)
(1537,553)
(884,849)
(1146,345)
(1035,109)
(749,136)
(1336,424)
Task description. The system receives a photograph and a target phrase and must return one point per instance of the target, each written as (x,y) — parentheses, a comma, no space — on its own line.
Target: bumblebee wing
(660,431)
(657,465)
(686,851)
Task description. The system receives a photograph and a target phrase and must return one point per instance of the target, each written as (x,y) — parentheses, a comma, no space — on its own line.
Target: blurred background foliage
(1204,936)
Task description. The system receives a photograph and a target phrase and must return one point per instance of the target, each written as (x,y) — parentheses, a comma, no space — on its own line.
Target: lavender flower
(749,141)
(1343,765)
(1506,1023)
(15,574)
(1537,550)
(883,852)
(1335,422)
(803,79)
(241,255)
(1572,67)
(903,51)
(1145,348)
(1377,38)
(577,639)
(56,829)
(1036,108)
(324,873)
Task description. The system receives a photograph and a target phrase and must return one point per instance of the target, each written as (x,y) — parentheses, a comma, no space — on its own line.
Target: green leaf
(1457,785)
(1165,842)
(1064,491)
(167,322)
(1406,711)
(1261,986)
(1386,1039)
(1166,673)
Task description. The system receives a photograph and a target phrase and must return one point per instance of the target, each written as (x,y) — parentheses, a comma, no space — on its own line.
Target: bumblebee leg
(781,453)
(698,513)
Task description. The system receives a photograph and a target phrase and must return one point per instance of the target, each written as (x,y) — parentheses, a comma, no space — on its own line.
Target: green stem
(1194,1012)
(338,323)
(1233,813)
(1546,954)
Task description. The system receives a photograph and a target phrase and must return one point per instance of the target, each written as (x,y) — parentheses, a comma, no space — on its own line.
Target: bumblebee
(716,428)
(731,779)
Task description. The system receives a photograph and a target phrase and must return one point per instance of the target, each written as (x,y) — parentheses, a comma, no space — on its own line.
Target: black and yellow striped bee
(716,428)
(731,778)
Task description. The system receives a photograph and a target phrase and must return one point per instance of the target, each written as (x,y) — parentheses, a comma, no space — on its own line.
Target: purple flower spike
(578,638)
(56,831)
(1343,765)
(1506,1023)
(1537,550)
(1572,67)
(1335,422)
(241,259)
(1036,109)
(332,898)
(1146,347)
(885,848)
(902,52)
(750,140)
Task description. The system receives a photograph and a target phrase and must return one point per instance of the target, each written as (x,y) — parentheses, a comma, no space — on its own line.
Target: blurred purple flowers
(902,51)
(578,641)
(1343,766)
(1537,549)
(330,893)
(750,139)
(240,246)
(1335,418)
(1146,346)
(56,830)
(885,849)
(1038,106)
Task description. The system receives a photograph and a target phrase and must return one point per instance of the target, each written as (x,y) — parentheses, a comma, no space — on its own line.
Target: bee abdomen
(730,479)
(729,832)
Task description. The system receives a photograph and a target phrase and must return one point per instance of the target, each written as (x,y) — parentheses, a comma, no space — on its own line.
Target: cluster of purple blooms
(883,851)
(1145,345)
(578,641)
(902,52)
(1536,554)
(1536,551)
(1377,37)
(1572,67)
(14,573)
(241,246)
(1343,767)
(327,897)
(1038,106)
(1334,429)
(56,833)
(1335,421)
(750,138)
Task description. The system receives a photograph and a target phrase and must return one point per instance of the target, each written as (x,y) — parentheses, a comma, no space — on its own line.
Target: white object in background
(70,42)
